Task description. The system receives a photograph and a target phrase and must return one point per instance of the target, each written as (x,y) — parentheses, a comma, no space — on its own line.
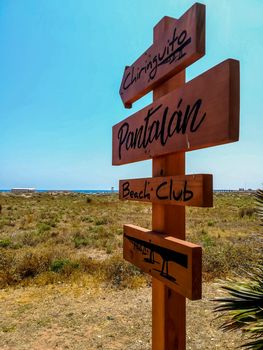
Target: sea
(74,191)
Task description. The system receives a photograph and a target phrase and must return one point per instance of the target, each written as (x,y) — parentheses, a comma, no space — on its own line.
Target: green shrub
(210,223)
(242,308)
(63,265)
(80,240)
(101,221)
(206,239)
(5,243)
(43,227)
(87,219)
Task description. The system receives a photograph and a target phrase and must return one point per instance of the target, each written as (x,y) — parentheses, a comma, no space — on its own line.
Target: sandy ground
(87,317)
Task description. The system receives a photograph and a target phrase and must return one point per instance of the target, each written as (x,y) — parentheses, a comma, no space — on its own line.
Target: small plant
(4,243)
(211,223)
(244,308)
(80,240)
(101,221)
(58,265)
(43,227)
(87,219)
(206,239)
(63,265)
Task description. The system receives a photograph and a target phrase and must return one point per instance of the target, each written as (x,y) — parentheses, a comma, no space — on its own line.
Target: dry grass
(66,286)
(56,236)
(82,315)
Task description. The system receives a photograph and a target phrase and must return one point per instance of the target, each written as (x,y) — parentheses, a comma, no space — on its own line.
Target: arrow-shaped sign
(175,262)
(182,44)
(185,190)
(202,113)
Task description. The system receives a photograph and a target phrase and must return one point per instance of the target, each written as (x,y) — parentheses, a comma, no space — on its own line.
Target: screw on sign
(203,112)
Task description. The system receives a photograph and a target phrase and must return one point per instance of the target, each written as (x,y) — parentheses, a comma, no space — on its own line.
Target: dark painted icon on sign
(148,249)
(174,262)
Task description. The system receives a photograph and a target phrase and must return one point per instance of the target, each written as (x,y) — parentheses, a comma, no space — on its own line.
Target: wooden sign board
(175,262)
(186,190)
(202,113)
(182,44)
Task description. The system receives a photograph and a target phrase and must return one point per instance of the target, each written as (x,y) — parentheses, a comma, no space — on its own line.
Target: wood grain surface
(181,44)
(202,113)
(175,262)
(186,190)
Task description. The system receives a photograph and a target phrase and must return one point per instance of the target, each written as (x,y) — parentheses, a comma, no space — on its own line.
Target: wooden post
(168,307)
(207,115)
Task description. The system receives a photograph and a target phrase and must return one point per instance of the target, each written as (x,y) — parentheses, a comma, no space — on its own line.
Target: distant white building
(23,190)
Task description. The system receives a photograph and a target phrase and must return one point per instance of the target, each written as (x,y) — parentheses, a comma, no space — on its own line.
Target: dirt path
(83,317)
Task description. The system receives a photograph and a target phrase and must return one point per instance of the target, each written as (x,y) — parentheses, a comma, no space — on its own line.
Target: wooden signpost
(183,117)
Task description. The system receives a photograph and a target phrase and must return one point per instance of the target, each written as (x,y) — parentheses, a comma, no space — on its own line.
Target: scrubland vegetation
(51,238)
(64,284)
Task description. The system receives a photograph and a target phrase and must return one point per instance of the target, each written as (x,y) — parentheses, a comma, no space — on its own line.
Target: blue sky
(61,64)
